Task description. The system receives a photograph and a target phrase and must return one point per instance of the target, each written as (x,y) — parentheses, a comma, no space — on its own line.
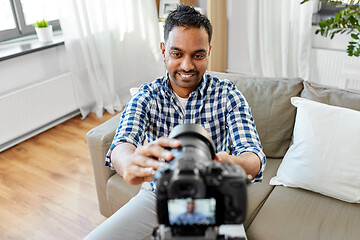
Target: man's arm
(136,165)
(247,149)
(249,161)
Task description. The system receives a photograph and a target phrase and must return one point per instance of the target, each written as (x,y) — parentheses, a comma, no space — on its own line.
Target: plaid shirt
(216,104)
(194,218)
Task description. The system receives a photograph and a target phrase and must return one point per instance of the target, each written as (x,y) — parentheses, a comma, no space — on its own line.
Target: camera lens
(196,149)
(194,137)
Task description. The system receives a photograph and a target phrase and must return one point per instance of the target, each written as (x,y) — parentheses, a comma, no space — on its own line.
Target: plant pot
(44,34)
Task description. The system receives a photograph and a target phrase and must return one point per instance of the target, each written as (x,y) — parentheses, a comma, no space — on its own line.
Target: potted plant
(43,31)
(347,20)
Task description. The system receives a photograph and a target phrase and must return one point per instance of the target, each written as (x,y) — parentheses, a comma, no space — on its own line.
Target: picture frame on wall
(166,6)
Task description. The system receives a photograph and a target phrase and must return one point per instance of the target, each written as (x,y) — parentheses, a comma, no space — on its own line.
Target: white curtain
(279,37)
(112,45)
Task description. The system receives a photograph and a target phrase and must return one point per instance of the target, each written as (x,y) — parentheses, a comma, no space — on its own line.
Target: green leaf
(337,16)
(355,36)
(41,24)
(351,12)
(346,20)
(352,20)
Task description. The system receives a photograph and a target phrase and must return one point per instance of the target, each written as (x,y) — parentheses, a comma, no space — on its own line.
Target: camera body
(193,174)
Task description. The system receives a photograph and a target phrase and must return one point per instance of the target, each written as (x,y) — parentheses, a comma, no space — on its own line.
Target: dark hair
(186,16)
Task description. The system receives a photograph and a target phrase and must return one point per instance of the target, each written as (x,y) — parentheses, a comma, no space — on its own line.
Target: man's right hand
(136,165)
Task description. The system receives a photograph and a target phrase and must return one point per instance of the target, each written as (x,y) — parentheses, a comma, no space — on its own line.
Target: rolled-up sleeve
(133,124)
(242,130)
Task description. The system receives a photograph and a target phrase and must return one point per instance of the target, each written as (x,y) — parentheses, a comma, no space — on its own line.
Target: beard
(184,82)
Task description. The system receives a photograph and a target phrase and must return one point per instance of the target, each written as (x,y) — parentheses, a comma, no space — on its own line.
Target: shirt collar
(202,88)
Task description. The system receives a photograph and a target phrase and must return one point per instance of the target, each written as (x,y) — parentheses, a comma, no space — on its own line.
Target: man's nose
(187,64)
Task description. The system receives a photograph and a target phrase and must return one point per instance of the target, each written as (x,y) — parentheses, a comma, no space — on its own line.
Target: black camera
(193,178)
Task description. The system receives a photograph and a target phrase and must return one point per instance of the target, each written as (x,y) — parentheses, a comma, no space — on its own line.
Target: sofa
(280,210)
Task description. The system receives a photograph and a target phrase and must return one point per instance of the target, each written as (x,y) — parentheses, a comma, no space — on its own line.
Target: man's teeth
(185,75)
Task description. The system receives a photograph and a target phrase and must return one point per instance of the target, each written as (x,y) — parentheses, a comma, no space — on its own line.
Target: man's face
(190,206)
(186,53)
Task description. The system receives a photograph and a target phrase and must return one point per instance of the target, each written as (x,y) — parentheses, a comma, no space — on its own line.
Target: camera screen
(192,211)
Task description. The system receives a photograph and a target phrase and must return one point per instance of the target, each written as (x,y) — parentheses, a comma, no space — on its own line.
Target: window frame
(325,11)
(21,29)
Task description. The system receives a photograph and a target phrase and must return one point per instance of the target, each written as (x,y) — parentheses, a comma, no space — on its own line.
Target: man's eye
(199,56)
(175,54)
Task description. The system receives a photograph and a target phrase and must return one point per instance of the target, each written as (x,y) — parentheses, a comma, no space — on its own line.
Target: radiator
(33,109)
(335,68)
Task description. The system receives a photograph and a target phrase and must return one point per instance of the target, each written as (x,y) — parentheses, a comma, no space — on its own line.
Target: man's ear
(210,49)
(162,47)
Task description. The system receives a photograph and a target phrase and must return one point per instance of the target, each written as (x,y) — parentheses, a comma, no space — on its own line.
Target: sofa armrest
(99,140)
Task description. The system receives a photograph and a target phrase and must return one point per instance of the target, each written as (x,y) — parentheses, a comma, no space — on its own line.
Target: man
(190,216)
(186,94)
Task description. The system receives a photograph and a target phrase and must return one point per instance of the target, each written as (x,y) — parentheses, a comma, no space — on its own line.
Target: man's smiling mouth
(186,75)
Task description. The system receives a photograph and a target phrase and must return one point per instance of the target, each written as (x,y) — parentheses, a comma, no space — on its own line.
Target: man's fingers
(144,162)
(168,142)
(154,151)
(146,174)
(137,175)
(137,171)
(157,149)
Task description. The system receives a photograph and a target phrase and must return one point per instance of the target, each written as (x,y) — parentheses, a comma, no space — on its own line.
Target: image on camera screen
(192,211)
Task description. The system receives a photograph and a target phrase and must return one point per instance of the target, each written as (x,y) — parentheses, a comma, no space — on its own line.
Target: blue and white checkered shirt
(189,219)
(216,104)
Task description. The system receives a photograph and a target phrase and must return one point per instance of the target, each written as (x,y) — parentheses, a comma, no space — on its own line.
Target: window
(18,16)
(326,11)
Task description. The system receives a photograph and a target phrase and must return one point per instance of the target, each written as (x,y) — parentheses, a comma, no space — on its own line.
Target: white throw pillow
(325,154)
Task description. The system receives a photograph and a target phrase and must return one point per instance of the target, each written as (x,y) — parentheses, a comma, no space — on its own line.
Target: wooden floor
(47,186)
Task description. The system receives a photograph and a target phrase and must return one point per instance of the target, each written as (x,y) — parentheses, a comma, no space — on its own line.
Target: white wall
(36,93)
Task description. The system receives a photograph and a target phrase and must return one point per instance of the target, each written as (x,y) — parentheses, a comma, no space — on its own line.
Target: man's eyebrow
(200,51)
(179,49)
(176,48)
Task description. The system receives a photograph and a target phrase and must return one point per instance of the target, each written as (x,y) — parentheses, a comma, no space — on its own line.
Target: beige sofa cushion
(332,96)
(258,192)
(269,99)
(119,192)
(294,214)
